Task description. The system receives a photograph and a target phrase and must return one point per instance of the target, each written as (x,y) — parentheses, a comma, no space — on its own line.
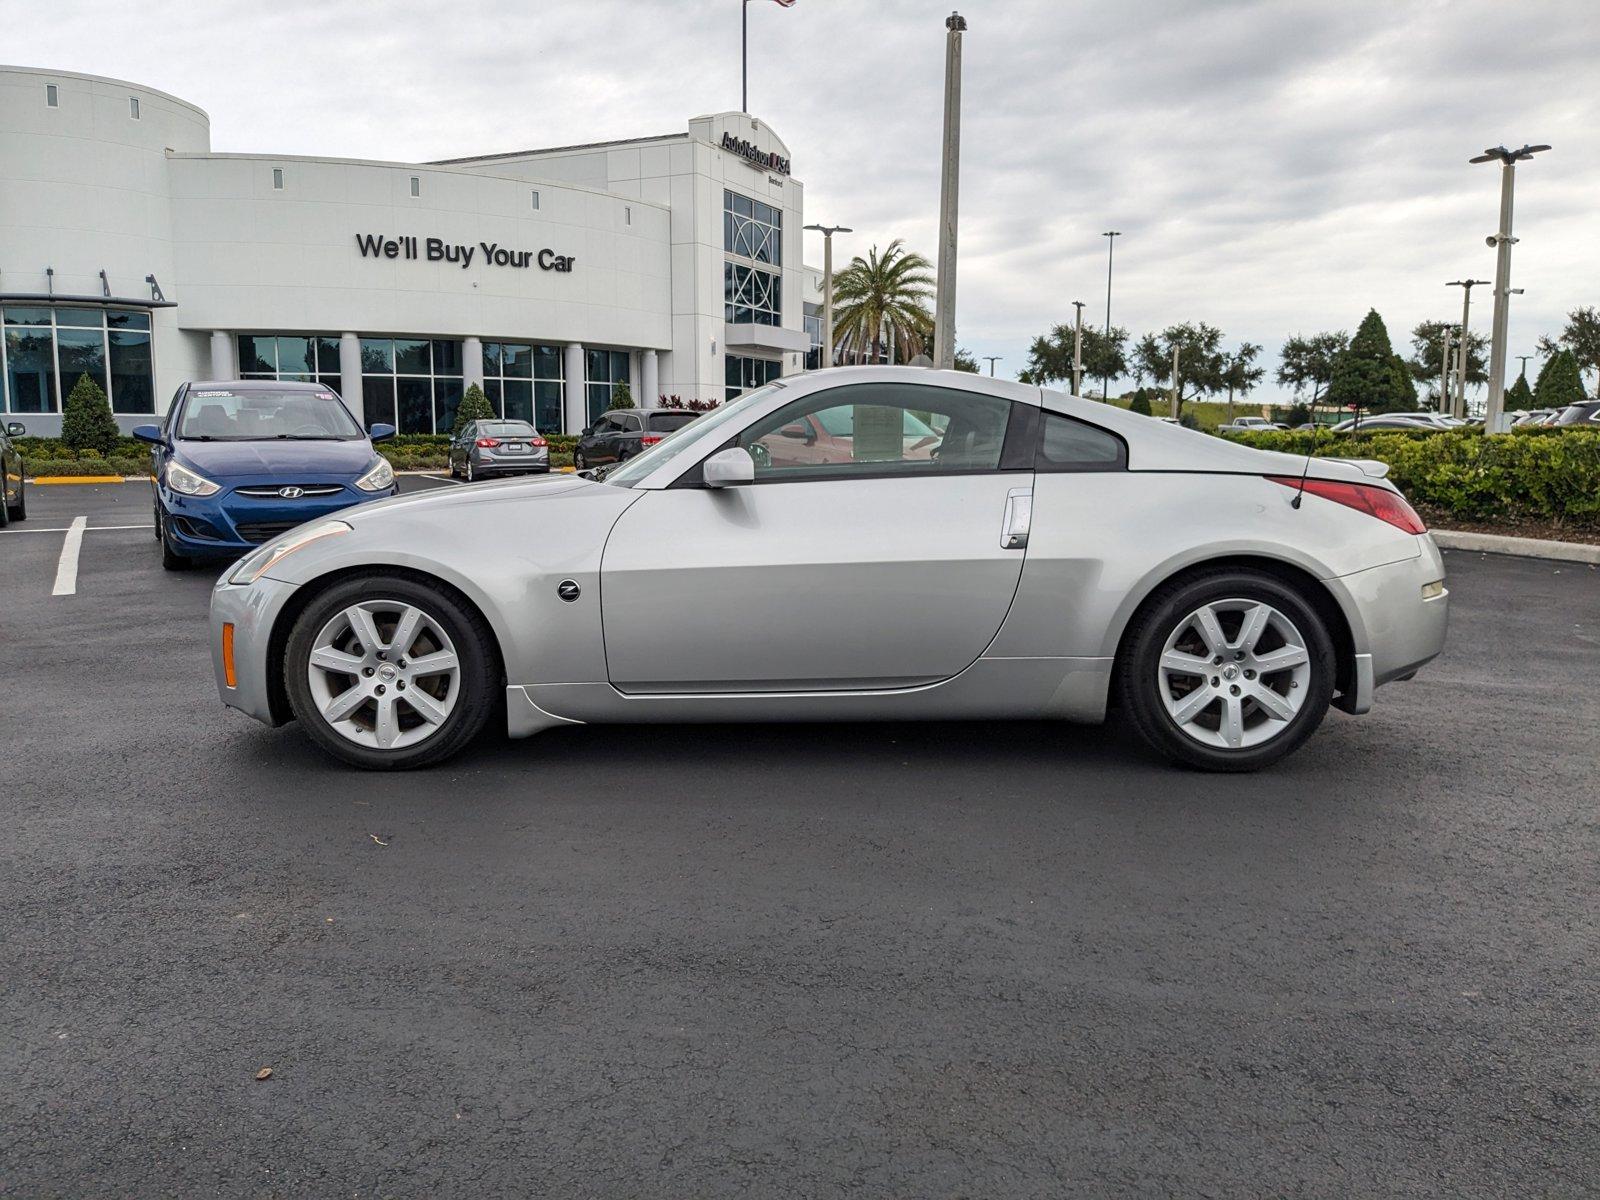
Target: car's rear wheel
(386,672)
(1227,671)
(470,475)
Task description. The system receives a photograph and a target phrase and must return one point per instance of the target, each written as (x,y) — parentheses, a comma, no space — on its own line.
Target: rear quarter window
(1066,444)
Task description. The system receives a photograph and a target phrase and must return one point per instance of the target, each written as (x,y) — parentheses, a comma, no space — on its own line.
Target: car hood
(231,460)
(478,495)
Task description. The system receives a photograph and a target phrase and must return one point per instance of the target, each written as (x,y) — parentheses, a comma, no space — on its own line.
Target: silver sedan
(874,543)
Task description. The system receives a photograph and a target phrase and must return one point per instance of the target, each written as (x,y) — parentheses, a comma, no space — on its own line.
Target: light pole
(1502,241)
(991,359)
(1466,286)
(1523,359)
(827,232)
(1446,340)
(944,305)
(1077,351)
(1174,381)
(1111,236)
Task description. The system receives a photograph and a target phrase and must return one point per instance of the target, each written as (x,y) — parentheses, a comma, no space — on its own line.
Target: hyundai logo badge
(291,493)
(568,590)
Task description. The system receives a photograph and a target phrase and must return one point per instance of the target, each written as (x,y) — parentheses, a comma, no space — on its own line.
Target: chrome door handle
(1018,519)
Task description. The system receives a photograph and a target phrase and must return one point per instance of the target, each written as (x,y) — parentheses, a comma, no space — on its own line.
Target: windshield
(216,415)
(678,440)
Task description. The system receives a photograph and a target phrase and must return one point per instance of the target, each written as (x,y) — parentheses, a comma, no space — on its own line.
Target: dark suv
(623,432)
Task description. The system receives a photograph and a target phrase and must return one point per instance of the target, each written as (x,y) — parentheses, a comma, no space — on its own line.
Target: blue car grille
(263,531)
(274,491)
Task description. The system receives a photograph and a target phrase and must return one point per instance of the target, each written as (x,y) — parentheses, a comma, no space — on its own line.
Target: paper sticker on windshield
(213,395)
(325,396)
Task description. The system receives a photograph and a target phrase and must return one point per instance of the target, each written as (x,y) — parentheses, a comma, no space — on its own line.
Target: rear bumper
(1395,628)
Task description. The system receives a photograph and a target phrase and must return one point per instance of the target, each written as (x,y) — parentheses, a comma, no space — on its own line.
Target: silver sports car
(853,544)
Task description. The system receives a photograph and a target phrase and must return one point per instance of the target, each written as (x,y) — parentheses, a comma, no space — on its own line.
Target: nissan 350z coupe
(955,547)
(236,464)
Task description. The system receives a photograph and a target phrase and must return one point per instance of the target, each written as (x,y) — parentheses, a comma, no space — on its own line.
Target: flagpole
(744,56)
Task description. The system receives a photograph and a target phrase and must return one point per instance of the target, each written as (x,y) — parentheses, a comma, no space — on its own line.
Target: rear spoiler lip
(1371,468)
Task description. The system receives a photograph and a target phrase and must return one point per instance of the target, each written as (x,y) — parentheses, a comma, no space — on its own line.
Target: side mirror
(729,468)
(15,429)
(799,431)
(148,433)
(379,432)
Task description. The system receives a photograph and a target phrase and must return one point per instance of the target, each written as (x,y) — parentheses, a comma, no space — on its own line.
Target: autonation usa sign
(766,160)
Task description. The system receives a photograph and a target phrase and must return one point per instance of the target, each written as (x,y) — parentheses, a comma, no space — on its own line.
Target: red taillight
(650,439)
(536,441)
(488,443)
(1363,497)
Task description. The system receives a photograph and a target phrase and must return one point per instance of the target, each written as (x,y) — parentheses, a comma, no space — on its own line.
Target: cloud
(1274,167)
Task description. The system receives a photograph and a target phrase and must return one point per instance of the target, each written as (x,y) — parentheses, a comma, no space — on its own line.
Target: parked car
(13,487)
(1586,412)
(1531,416)
(624,432)
(236,464)
(1249,425)
(1047,556)
(488,448)
(1380,421)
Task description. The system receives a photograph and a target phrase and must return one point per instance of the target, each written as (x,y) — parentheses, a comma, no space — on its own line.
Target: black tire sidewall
(479,677)
(1139,687)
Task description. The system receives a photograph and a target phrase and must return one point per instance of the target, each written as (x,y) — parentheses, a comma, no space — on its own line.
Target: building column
(472,368)
(577,396)
(223,365)
(350,375)
(649,380)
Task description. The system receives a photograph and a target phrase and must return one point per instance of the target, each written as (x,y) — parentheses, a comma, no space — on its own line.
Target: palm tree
(878,297)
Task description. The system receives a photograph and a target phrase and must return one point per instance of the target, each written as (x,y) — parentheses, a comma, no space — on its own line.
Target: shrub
(86,420)
(474,406)
(622,395)
(1140,403)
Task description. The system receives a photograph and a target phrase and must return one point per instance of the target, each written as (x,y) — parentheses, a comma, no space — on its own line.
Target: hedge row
(1549,475)
(116,465)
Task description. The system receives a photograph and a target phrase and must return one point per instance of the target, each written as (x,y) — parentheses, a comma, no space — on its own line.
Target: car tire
(19,510)
(5,509)
(473,693)
(1233,730)
(170,558)
(579,463)
(470,476)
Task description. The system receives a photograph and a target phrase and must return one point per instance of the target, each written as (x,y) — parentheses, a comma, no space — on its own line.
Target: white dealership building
(132,253)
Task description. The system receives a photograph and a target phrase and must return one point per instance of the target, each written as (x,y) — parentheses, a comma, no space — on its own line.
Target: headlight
(377,479)
(184,481)
(263,560)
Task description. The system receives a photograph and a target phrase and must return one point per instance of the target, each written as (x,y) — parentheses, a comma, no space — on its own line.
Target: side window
(880,429)
(1069,445)
(631,423)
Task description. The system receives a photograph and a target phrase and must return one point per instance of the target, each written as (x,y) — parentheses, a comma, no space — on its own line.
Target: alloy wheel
(384,674)
(1234,674)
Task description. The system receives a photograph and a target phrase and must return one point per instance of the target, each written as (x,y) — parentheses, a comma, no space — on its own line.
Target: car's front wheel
(387,672)
(1227,671)
(19,510)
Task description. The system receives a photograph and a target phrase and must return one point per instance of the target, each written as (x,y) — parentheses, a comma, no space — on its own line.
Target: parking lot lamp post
(1174,381)
(827,232)
(1446,341)
(1502,241)
(1523,359)
(1077,351)
(991,359)
(1466,286)
(944,298)
(1111,236)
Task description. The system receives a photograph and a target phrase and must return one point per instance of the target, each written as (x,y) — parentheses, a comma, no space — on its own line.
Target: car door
(892,568)
(632,431)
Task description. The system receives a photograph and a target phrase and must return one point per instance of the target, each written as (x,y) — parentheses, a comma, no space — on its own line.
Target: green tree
(1582,337)
(86,420)
(1426,366)
(1201,362)
(474,406)
(621,395)
(1367,375)
(1050,357)
(965,362)
(1140,403)
(1560,383)
(1519,396)
(1239,372)
(1307,362)
(879,297)
(1298,415)
(1406,389)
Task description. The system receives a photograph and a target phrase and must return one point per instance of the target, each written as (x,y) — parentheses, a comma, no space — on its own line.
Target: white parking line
(439,479)
(68,528)
(67,568)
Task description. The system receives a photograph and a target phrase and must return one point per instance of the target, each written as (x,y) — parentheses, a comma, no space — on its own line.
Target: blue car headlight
(189,483)
(380,478)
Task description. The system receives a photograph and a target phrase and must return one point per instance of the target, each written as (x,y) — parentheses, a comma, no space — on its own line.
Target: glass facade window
(742,373)
(813,324)
(277,178)
(751,229)
(46,349)
(293,357)
(603,370)
(413,384)
(52,95)
(751,297)
(133,107)
(524,383)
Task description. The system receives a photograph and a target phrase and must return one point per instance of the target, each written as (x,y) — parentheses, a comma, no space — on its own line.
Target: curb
(1519,547)
(58,480)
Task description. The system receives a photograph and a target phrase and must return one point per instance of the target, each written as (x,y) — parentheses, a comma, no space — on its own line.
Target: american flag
(787,3)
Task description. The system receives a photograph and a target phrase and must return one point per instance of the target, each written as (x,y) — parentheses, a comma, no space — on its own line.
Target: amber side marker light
(228,672)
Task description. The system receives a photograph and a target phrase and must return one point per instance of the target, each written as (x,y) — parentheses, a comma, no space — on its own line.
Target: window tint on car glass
(887,429)
(1069,445)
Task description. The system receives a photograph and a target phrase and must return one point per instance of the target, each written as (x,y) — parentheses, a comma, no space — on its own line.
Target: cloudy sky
(1274,167)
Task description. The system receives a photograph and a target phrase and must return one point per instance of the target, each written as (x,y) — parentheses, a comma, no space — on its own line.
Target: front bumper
(252,611)
(228,524)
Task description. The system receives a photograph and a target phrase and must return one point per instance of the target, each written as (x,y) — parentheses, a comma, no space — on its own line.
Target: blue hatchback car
(235,464)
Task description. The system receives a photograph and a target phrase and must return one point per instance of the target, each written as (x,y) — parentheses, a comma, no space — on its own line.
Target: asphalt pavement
(972,960)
